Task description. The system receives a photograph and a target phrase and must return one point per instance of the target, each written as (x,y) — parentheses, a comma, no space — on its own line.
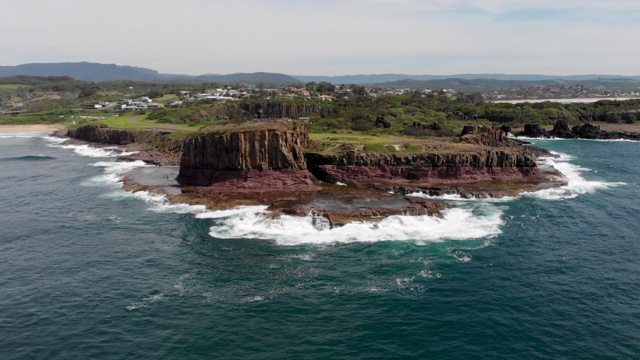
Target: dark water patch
(29,158)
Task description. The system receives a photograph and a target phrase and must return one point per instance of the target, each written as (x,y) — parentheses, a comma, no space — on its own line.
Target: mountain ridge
(96,72)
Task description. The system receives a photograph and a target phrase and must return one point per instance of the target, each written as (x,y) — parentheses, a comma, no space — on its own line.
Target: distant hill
(386,78)
(88,71)
(85,71)
(96,72)
(249,78)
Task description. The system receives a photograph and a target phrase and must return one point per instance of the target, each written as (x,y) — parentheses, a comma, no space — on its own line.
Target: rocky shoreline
(274,164)
(587,131)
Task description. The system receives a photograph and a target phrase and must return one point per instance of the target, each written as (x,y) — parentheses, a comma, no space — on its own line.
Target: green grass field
(356,138)
(131,121)
(12,86)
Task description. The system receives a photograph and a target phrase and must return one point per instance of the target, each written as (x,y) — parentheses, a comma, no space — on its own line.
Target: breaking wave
(481,220)
(576,183)
(114,172)
(103,152)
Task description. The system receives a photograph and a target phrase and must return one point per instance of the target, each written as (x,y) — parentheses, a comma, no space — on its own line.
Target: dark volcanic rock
(485,157)
(491,137)
(562,130)
(279,147)
(533,130)
(102,134)
(155,147)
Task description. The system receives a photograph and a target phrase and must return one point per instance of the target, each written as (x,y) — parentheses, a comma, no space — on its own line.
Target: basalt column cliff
(266,157)
(484,164)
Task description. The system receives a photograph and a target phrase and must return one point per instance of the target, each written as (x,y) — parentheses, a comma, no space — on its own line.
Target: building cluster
(221,95)
(99,105)
(557,92)
(142,103)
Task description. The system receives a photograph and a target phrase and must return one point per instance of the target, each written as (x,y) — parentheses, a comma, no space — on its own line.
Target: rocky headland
(155,147)
(276,164)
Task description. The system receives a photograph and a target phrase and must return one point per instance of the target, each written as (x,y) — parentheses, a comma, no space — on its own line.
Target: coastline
(31,128)
(566,100)
(378,189)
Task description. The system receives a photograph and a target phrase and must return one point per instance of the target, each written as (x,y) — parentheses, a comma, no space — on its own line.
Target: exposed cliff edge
(154,147)
(102,134)
(218,157)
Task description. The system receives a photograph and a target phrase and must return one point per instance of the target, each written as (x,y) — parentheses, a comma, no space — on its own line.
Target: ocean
(89,271)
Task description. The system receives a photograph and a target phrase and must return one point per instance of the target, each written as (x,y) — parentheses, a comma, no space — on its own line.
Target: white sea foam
(114,172)
(146,301)
(159,203)
(95,152)
(255,222)
(456,224)
(55,139)
(576,183)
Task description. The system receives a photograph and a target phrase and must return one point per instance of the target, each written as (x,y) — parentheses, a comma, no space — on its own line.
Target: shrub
(375,147)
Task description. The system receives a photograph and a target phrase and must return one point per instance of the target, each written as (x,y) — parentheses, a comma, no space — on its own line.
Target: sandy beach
(30,128)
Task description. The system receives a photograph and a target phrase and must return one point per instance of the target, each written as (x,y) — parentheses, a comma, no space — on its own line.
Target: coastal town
(25,101)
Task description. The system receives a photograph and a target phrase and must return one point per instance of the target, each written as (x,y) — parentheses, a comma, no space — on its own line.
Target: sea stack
(259,155)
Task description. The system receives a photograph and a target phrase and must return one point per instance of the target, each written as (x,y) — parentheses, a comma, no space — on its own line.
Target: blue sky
(330,37)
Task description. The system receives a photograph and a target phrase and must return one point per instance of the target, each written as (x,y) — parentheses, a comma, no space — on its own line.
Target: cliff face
(494,158)
(276,148)
(153,147)
(101,134)
(417,172)
(486,158)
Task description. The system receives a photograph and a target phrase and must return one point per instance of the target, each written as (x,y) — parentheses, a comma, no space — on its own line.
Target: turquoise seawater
(89,271)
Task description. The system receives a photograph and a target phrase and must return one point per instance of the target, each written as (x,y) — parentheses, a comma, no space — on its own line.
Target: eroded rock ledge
(488,164)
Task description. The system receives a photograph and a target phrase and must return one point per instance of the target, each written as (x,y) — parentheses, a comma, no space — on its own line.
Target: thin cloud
(328,37)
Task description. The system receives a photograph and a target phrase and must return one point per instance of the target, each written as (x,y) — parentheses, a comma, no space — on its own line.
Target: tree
(325,87)
(358,90)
